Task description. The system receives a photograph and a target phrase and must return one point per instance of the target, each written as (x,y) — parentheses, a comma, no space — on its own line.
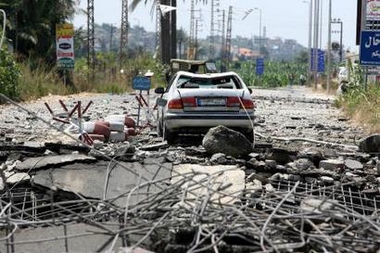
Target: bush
(9,75)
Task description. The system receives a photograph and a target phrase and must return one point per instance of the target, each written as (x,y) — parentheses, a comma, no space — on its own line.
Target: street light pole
(309,42)
(341,42)
(316,46)
(260,19)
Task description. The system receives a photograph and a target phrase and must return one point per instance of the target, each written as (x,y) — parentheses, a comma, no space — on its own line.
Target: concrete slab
(90,180)
(72,238)
(220,183)
(35,163)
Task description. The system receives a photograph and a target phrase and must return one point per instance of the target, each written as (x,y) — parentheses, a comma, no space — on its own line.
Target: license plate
(211,102)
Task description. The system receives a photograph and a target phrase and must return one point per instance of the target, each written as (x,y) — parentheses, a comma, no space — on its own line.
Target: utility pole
(329,49)
(158,31)
(316,40)
(227,55)
(214,3)
(190,53)
(309,42)
(223,34)
(91,40)
(111,37)
(123,50)
(173,30)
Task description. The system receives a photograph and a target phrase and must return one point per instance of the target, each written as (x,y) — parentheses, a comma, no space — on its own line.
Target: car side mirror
(250,90)
(159,90)
(161,102)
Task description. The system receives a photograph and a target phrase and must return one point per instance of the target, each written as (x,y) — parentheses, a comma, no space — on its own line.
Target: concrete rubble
(142,195)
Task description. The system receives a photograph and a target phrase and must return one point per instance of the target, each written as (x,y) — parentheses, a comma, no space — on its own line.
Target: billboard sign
(65,46)
(372,10)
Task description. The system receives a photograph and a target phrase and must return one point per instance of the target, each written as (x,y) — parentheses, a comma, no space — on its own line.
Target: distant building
(247,54)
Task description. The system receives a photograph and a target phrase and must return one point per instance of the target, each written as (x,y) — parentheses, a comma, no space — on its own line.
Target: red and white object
(114,126)
(97,128)
(127,120)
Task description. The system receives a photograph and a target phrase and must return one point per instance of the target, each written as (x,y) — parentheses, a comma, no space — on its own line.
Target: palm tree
(168,28)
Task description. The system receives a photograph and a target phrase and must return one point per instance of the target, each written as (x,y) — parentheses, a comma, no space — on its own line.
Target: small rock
(218,158)
(331,164)
(15,178)
(269,188)
(353,165)
(271,164)
(370,144)
(326,180)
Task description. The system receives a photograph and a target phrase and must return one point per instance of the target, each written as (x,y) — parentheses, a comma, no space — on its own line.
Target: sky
(287,19)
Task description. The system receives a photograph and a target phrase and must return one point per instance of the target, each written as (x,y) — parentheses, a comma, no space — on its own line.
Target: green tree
(31,26)
(9,75)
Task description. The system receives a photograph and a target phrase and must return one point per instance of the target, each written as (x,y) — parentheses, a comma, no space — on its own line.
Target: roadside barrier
(115,128)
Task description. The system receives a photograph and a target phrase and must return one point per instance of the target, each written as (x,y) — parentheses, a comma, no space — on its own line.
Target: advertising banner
(373,10)
(65,46)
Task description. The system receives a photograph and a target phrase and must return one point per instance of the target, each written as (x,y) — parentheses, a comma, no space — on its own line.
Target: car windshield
(220,82)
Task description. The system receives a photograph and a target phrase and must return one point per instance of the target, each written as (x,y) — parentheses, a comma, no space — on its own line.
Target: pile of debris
(143,196)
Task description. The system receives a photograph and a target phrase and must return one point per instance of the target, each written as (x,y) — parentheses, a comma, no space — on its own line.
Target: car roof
(207,75)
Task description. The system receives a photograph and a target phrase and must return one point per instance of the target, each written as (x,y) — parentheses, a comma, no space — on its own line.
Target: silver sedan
(193,103)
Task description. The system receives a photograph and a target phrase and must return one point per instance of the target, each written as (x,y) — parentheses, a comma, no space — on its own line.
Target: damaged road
(309,183)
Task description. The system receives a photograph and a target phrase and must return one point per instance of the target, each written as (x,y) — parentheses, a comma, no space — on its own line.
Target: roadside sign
(65,46)
(370,48)
(141,83)
(321,60)
(259,66)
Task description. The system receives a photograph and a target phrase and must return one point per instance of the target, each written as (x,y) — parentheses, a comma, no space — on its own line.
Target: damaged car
(193,103)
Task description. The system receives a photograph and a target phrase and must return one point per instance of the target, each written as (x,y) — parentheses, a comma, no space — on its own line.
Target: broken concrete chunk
(325,180)
(221,139)
(218,158)
(221,184)
(89,179)
(36,163)
(15,178)
(281,156)
(353,165)
(317,205)
(331,164)
(370,144)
